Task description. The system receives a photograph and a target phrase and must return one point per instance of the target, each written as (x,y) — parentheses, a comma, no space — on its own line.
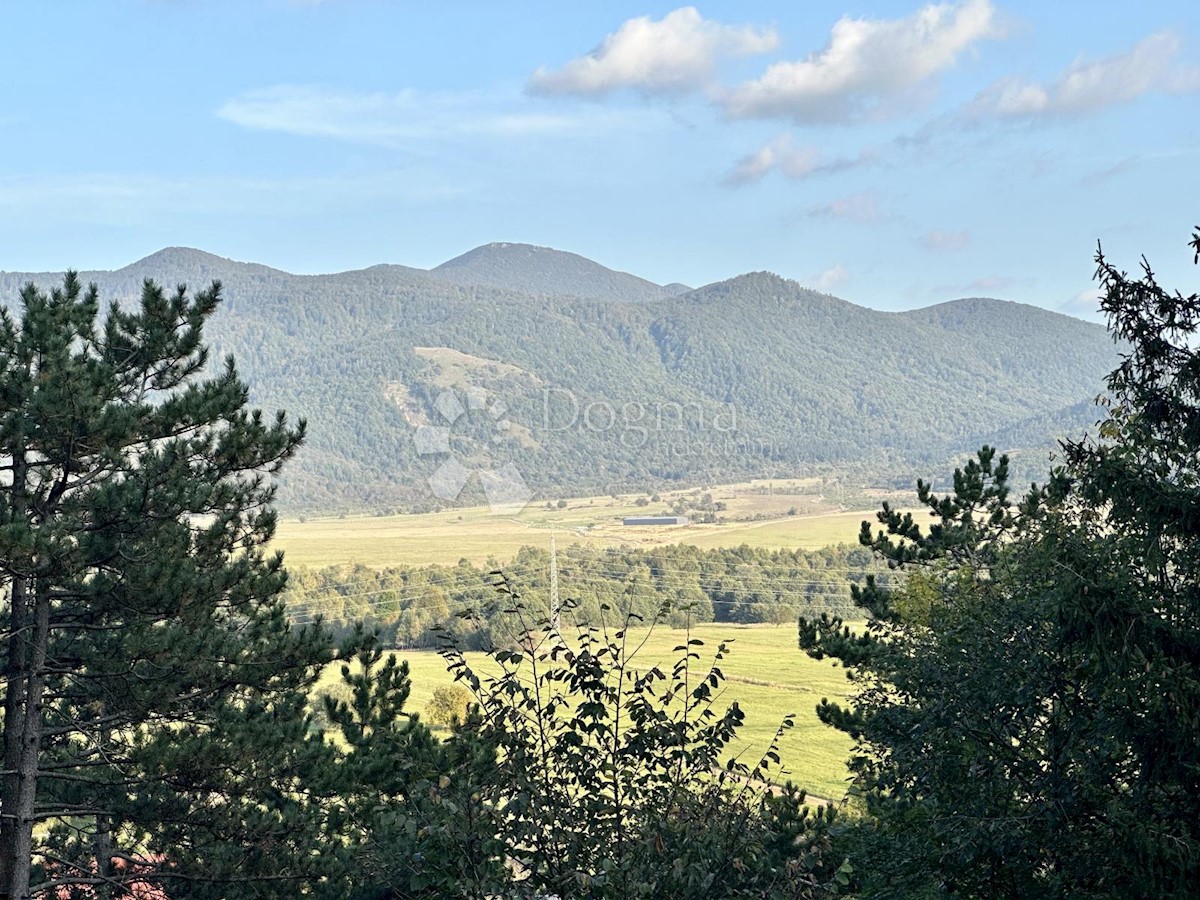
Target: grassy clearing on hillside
(767,675)
(476,535)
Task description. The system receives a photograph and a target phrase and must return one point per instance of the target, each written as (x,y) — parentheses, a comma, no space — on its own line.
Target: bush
(449,705)
(615,781)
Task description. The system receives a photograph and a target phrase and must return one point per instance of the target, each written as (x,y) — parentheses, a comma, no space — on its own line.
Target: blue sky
(896,154)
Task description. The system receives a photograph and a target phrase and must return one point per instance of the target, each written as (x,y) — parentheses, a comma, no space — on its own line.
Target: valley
(600,451)
(777,514)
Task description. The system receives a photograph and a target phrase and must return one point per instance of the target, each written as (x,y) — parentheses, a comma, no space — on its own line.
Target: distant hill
(542,270)
(753,376)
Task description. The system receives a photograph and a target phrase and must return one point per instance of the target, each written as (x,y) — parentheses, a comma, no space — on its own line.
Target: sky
(896,154)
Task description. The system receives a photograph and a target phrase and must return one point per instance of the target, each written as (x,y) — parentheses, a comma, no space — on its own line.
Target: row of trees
(411,605)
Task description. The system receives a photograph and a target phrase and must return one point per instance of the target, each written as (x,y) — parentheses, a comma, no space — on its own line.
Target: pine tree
(154,690)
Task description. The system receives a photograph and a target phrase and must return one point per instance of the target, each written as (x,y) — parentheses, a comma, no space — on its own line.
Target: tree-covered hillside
(751,376)
(543,270)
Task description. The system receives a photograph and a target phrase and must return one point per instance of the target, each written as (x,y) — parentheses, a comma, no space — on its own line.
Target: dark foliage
(1028,719)
(154,690)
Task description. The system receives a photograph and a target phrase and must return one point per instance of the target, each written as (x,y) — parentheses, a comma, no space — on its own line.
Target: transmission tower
(554,605)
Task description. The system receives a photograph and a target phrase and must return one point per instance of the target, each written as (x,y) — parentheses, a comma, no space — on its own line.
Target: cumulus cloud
(866,64)
(1089,86)
(862,207)
(392,119)
(673,55)
(836,276)
(796,162)
(937,239)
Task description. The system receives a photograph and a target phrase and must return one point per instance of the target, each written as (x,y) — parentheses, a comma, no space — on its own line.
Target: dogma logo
(504,488)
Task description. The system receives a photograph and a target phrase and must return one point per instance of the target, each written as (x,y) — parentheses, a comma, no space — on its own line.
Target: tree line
(412,606)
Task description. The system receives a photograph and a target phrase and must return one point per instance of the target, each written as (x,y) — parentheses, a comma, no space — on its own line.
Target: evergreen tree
(154,691)
(410,809)
(1028,719)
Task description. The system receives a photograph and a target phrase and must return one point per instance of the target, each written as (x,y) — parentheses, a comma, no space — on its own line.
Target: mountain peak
(173,254)
(979,311)
(505,249)
(767,286)
(189,264)
(545,270)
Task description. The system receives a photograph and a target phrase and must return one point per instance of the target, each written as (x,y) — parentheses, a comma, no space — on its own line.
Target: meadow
(766,674)
(794,513)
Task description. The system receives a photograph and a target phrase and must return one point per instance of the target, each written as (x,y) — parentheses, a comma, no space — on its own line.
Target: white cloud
(836,276)
(391,119)
(1086,87)
(866,63)
(781,154)
(862,207)
(937,239)
(674,55)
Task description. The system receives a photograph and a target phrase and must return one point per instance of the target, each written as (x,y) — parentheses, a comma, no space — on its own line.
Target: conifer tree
(1028,719)
(153,688)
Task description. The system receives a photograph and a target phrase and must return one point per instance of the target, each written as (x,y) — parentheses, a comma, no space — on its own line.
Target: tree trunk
(105,847)
(16,697)
(16,672)
(19,856)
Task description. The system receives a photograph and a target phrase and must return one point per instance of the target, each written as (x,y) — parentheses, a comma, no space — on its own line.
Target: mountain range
(537,366)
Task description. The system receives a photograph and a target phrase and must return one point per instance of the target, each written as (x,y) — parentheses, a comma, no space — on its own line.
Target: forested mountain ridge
(543,270)
(755,375)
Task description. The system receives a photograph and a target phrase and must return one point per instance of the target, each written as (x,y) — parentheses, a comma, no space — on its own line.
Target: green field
(766,672)
(758,514)
(803,532)
(767,675)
